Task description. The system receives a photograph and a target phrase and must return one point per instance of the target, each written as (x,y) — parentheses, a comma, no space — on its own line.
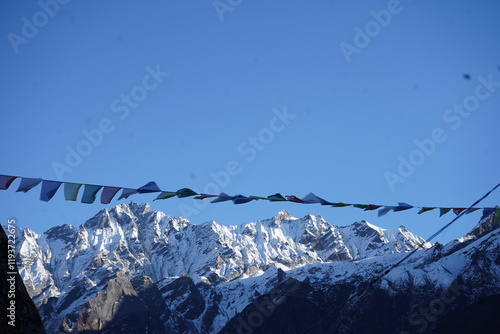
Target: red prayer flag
(203,196)
(295,199)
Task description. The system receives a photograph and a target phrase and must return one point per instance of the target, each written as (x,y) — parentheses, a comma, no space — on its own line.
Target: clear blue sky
(361,82)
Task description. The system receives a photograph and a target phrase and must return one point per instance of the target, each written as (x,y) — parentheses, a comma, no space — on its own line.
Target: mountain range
(131,269)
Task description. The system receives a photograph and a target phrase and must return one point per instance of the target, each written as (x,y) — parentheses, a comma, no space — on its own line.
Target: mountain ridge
(206,275)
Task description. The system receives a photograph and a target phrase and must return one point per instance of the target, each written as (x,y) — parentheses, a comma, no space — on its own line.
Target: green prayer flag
(259,197)
(443,211)
(165,195)
(425,209)
(340,204)
(276,197)
(185,192)
(71,191)
(360,206)
(89,193)
(497,216)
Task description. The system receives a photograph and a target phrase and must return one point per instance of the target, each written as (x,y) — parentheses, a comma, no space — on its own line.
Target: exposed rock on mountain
(19,313)
(131,269)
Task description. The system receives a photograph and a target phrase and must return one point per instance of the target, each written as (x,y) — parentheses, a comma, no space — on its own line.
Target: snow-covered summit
(207,273)
(136,240)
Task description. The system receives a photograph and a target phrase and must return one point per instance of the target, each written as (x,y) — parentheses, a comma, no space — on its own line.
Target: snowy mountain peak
(139,208)
(65,232)
(200,276)
(132,239)
(282,215)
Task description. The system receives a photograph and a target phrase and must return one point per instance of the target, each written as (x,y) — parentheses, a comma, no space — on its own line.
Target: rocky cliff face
(451,289)
(131,269)
(19,313)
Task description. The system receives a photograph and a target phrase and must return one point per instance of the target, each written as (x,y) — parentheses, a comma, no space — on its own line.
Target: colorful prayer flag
(443,211)
(371,207)
(222,198)
(259,197)
(276,198)
(27,184)
(5,181)
(108,193)
(150,187)
(49,189)
(295,199)
(203,196)
(311,198)
(127,192)
(240,199)
(385,210)
(402,206)
(185,192)
(425,209)
(165,195)
(71,191)
(89,193)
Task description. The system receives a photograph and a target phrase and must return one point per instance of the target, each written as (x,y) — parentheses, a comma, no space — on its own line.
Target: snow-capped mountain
(133,269)
(19,313)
